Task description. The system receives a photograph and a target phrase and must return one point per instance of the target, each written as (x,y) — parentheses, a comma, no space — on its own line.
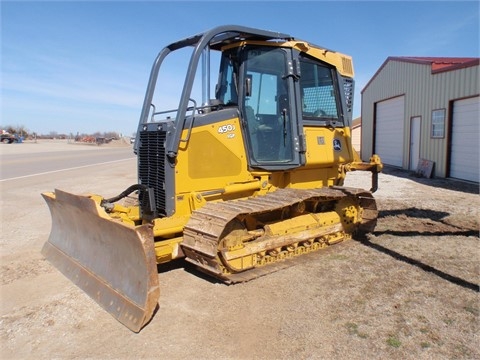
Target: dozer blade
(112,262)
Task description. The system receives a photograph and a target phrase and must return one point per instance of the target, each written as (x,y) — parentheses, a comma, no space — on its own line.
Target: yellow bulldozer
(240,185)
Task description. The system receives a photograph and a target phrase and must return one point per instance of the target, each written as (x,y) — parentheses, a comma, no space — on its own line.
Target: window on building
(438,123)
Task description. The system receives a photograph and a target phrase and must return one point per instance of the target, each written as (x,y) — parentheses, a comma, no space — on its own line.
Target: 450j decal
(226,128)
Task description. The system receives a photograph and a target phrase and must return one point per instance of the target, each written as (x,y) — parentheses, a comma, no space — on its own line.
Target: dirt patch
(410,290)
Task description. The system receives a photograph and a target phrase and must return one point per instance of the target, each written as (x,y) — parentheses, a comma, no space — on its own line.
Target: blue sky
(83,66)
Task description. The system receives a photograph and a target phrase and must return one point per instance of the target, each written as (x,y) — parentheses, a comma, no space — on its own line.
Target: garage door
(389,124)
(464,157)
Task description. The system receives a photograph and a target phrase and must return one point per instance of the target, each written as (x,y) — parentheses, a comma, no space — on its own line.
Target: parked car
(6,137)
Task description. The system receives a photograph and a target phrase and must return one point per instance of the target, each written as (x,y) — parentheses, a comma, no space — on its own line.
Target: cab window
(319,98)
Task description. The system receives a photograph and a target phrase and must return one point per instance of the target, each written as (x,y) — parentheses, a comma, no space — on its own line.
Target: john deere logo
(337,145)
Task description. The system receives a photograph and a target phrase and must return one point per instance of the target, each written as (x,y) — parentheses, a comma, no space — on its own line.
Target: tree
(19,130)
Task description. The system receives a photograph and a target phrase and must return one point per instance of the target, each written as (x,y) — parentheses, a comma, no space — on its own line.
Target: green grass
(353,330)
(393,341)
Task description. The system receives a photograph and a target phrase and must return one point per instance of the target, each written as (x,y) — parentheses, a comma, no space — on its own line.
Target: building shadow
(444,183)
(425,214)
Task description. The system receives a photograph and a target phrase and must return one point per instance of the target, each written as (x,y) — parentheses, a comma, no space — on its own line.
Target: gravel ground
(408,291)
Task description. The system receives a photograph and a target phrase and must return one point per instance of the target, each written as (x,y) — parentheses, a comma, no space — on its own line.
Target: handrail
(191,122)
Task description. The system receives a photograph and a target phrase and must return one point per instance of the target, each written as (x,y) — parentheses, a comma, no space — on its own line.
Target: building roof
(438,64)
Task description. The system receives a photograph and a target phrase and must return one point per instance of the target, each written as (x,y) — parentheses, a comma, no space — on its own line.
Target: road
(33,159)
(29,169)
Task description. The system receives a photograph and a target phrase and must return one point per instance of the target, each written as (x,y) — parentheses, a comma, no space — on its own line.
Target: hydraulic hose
(124,194)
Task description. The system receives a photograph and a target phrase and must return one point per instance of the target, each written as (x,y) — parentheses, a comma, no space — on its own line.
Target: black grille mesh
(348,88)
(151,168)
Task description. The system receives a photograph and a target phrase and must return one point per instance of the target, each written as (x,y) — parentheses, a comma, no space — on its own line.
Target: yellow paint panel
(327,146)
(210,157)
(213,158)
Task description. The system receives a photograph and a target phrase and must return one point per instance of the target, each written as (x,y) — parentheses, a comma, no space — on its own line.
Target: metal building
(357,134)
(424,108)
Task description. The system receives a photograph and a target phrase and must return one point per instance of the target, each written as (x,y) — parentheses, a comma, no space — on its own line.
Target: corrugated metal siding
(423,92)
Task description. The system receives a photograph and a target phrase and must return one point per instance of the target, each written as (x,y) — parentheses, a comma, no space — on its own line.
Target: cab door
(270,115)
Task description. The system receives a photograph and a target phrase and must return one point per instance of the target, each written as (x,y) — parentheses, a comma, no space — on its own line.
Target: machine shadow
(188,267)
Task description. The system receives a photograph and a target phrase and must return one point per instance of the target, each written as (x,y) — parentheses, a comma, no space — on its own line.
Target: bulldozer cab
(282,91)
(276,86)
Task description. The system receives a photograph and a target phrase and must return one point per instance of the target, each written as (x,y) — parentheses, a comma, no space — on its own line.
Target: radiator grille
(151,169)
